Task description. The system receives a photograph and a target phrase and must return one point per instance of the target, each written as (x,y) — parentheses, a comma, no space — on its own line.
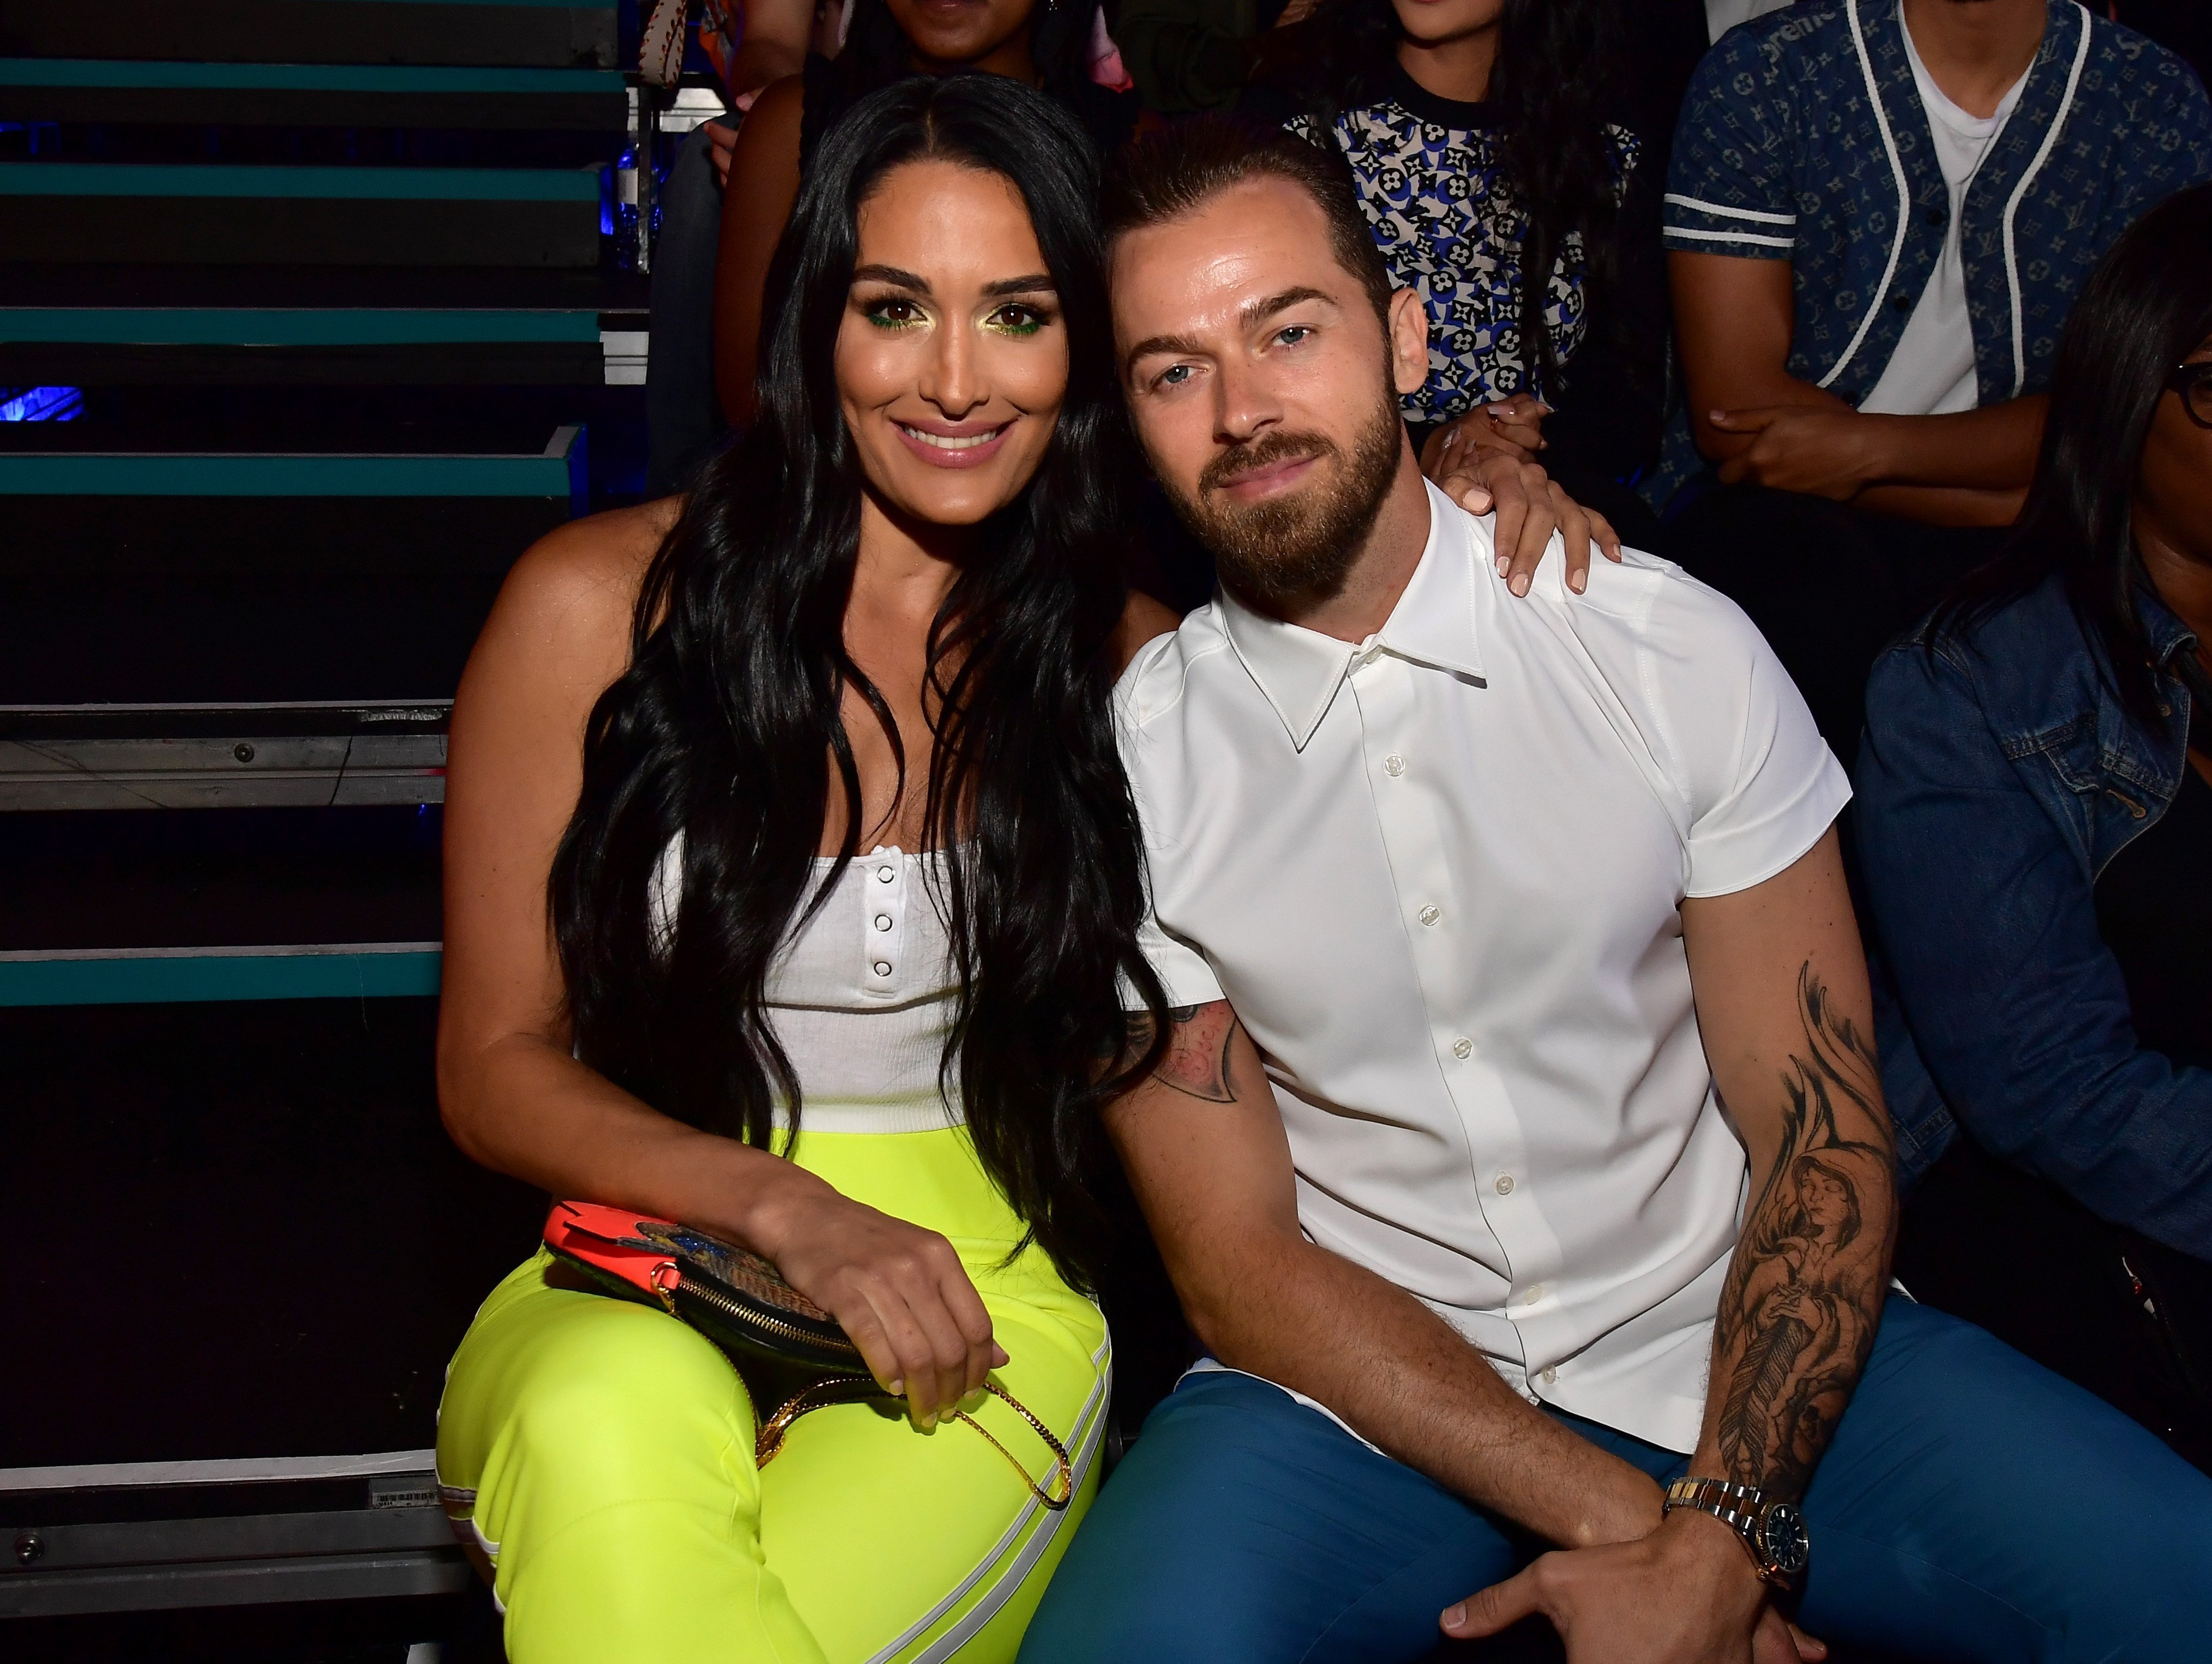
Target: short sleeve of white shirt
(1184,974)
(1759,783)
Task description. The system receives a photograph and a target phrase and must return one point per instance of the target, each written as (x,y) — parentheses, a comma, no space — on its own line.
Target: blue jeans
(1972,1506)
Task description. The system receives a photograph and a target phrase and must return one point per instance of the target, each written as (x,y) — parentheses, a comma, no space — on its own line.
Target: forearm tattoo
(1196,1062)
(1803,1295)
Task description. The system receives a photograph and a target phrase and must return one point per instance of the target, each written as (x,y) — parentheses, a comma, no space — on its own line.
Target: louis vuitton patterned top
(1450,226)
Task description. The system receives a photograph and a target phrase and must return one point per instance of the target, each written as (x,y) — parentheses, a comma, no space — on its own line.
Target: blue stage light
(41,404)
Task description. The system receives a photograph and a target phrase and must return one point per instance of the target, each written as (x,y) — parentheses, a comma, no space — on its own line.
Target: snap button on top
(1532,1295)
(1505,1184)
(882,967)
(883,921)
(1462,1047)
(1550,1375)
(1393,765)
(1431,914)
(885,873)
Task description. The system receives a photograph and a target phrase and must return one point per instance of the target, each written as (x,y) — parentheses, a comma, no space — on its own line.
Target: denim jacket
(1803,139)
(1995,781)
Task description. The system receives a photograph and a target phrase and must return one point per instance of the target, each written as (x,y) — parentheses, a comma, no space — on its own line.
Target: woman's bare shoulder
(566,606)
(1143,619)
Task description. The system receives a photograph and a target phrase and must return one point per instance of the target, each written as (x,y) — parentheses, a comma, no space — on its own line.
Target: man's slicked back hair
(1166,175)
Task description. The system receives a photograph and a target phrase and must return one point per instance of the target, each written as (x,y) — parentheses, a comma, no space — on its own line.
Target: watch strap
(1738,1507)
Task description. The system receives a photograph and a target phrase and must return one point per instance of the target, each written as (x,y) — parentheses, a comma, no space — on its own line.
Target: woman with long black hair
(817,772)
(2035,822)
(1042,43)
(1485,138)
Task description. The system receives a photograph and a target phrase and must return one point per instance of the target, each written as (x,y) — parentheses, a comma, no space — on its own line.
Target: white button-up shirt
(1439,875)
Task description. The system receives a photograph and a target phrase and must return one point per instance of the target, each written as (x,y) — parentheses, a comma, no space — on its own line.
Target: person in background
(1502,189)
(1043,43)
(684,416)
(2035,825)
(1877,217)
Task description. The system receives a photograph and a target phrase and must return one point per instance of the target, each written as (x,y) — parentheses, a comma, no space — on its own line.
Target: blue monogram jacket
(1996,779)
(1803,139)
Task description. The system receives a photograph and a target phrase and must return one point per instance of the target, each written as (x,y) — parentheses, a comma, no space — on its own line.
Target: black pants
(1829,586)
(2126,1317)
(684,416)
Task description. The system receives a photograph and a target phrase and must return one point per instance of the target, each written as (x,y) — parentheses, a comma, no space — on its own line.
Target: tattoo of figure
(1196,1062)
(1803,1295)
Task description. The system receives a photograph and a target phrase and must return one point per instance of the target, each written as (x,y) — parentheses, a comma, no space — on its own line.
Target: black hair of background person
(724,726)
(1551,93)
(877,53)
(2148,307)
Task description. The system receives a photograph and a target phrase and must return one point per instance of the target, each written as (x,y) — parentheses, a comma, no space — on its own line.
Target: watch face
(1787,1545)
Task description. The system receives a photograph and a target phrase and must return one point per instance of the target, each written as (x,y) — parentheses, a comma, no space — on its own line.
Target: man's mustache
(1241,459)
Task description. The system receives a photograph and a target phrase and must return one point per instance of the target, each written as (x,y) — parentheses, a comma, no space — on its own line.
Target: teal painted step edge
(301,77)
(93,178)
(238,326)
(558,473)
(380,970)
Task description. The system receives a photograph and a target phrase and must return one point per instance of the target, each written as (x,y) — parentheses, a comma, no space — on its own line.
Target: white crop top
(862,997)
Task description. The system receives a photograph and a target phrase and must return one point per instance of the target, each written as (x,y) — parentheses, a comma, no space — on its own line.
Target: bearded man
(1519,1152)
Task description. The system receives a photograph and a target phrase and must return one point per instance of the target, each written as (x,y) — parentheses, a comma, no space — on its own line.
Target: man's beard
(1287,552)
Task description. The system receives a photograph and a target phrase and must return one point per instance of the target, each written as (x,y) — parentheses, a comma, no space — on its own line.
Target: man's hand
(1530,506)
(1684,1594)
(1801,447)
(722,142)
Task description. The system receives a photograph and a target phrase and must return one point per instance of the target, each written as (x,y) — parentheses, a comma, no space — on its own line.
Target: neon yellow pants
(600,1454)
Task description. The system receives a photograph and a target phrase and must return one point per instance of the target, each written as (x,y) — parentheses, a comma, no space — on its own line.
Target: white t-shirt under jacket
(1439,875)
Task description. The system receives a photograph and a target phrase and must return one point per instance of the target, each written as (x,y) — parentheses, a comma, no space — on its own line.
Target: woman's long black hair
(1551,93)
(877,52)
(726,729)
(2146,307)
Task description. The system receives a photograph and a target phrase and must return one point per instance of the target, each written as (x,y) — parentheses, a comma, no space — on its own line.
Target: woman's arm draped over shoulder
(513,1094)
(763,183)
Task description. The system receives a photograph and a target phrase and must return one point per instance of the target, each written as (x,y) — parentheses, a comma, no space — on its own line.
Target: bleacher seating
(345,287)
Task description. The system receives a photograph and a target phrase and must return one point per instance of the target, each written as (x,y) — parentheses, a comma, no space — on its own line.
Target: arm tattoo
(1798,1311)
(1196,1062)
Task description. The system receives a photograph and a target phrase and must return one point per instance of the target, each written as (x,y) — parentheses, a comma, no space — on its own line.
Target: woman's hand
(1513,426)
(900,1292)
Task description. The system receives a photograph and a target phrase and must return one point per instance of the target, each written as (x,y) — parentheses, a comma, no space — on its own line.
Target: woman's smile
(954,445)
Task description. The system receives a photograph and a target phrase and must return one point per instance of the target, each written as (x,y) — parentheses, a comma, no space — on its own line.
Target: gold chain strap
(838,1388)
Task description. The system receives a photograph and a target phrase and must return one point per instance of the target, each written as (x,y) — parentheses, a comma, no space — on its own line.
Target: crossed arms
(1781,991)
(1733,320)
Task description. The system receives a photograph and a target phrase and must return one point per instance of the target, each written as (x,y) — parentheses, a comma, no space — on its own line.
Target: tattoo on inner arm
(1803,1295)
(1197,1059)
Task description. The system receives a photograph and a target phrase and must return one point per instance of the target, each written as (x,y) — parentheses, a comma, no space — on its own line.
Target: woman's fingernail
(1454,1616)
(1578,582)
(1520,584)
(1504,564)
(896,1389)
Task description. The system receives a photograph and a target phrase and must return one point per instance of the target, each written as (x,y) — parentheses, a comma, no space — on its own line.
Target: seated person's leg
(683,418)
(1975,1507)
(1245,1525)
(603,1455)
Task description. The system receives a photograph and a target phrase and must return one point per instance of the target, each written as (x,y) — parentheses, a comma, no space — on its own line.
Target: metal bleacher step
(190,571)
(548,33)
(228,214)
(131,325)
(91,89)
(304,754)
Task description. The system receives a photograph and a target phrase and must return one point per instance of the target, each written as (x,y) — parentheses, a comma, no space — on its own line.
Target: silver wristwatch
(1774,1532)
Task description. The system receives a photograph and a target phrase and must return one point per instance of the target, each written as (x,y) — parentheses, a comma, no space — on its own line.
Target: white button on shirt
(1584,763)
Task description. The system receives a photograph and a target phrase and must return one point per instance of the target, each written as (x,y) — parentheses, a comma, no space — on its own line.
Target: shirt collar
(1299,671)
